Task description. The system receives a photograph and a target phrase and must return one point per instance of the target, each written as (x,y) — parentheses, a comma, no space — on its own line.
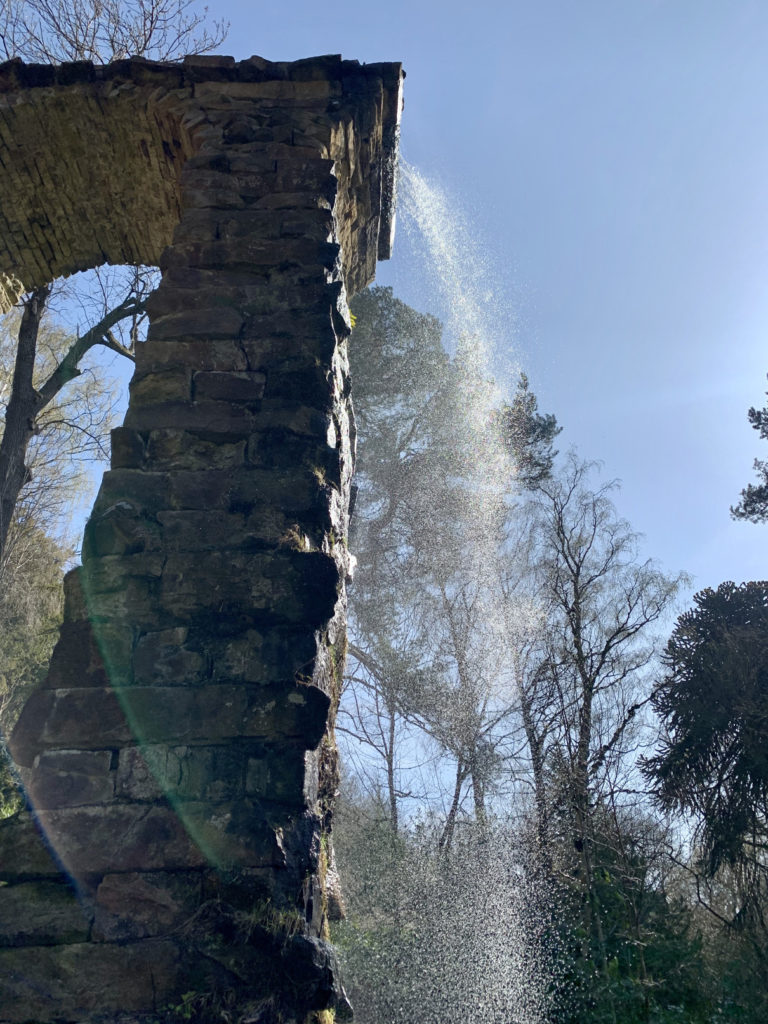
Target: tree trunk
(19,428)
(450,823)
(478,795)
(391,789)
(536,747)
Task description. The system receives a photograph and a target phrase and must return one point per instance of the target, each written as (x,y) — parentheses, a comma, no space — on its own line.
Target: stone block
(152,772)
(120,531)
(170,385)
(106,719)
(297,92)
(120,837)
(68,719)
(75,609)
(136,779)
(263,656)
(195,530)
(215,418)
(217,385)
(296,379)
(215,323)
(200,225)
(77,656)
(298,587)
(297,200)
(41,913)
(73,982)
(259,527)
(250,252)
(24,852)
(309,421)
(128,450)
(70,778)
(217,185)
(131,492)
(278,776)
(200,354)
(109,573)
(162,659)
(293,490)
(144,905)
(186,450)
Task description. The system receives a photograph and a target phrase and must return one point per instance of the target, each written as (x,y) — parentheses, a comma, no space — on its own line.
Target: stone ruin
(175,858)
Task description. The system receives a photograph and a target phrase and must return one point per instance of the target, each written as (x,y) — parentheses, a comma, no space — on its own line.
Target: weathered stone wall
(180,758)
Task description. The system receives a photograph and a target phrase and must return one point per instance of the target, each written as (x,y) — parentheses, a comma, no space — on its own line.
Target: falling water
(446,937)
(478,327)
(456,268)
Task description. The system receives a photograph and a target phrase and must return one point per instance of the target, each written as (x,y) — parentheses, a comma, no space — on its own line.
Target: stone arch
(80,143)
(91,172)
(180,756)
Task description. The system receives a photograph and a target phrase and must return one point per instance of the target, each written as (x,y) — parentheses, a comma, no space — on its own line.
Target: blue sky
(612,159)
(612,156)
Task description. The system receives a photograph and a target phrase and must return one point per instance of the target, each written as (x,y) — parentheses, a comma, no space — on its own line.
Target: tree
(51,31)
(30,614)
(582,668)
(69,431)
(712,764)
(37,416)
(754,497)
(438,937)
(100,31)
(438,454)
(499,604)
(713,705)
(597,604)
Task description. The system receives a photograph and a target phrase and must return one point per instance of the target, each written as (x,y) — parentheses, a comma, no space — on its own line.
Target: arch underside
(91,158)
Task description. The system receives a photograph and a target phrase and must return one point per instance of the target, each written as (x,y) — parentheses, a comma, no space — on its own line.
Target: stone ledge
(64,983)
(91,719)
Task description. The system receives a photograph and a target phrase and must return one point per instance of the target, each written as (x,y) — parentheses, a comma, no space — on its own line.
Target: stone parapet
(179,759)
(93,140)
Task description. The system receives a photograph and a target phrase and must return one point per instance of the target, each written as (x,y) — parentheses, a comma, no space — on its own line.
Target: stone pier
(175,862)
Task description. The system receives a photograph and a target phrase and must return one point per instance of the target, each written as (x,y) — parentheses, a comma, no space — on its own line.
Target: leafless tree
(44,362)
(69,30)
(53,31)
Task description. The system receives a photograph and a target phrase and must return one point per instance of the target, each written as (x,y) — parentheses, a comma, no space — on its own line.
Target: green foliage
(754,497)
(502,633)
(713,702)
(437,937)
(644,963)
(30,613)
(529,435)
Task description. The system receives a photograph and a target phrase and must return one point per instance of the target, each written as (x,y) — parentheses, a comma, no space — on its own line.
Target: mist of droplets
(478,329)
(451,936)
(464,939)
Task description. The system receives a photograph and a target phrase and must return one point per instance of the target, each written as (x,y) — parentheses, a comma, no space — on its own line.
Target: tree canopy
(713,702)
(51,31)
(754,497)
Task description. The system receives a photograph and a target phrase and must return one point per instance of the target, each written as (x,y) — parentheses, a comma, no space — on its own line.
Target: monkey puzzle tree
(712,764)
(754,497)
(713,704)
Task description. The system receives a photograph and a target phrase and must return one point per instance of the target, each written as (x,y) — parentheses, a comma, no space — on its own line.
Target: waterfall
(443,925)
